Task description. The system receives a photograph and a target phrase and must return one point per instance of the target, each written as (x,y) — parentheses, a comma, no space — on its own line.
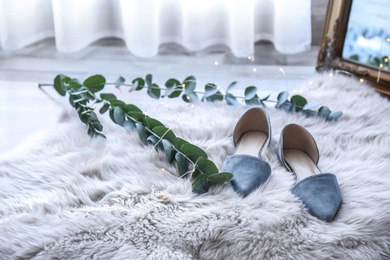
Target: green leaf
(155,141)
(148,80)
(118,103)
(119,116)
(131,108)
(72,83)
(171,85)
(216,97)
(138,84)
(282,97)
(219,178)
(204,166)
(250,92)
(119,82)
(193,152)
(176,92)
(168,150)
(104,108)
(164,132)
(201,184)
(231,86)
(108,96)
(59,85)
(334,116)
(142,132)
(95,83)
(231,100)
(182,164)
(299,101)
(255,101)
(324,111)
(138,116)
(189,84)
(179,142)
(154,91)
(151,122)
(210,90)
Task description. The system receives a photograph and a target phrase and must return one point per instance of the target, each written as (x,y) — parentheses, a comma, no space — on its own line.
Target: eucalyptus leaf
(282,97)
(219,178)
(138,116)
(93,117)
(176,92)
(154,91)
(104,108)
(168,150)
(142,132)
(164,132)
(193,152)
(216,97)
(148,80)
(250,92)
(119,115)
(170,86)
(156,142)
(151,122)
(231,86)
(201,184)
(189,84)
(119,82)
(131,108)
(59,84)
(334,116)
(255,101)
(98,126)
(324,111)
(210,89)
(108,96)
(138,84)
(299,102)
(204,165)
(95,83)
(179,142)
(231,100)
(182,164)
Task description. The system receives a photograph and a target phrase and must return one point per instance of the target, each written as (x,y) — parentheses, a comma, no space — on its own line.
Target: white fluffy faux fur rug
(73,197)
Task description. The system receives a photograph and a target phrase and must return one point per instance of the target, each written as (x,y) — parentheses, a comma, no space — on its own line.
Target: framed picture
(356,41)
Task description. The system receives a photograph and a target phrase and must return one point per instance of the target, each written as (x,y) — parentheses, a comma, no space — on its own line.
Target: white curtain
(146,24)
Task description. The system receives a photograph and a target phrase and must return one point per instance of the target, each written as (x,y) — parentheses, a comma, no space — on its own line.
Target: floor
(26,109)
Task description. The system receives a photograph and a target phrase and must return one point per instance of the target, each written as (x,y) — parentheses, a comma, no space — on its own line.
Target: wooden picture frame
(332,44)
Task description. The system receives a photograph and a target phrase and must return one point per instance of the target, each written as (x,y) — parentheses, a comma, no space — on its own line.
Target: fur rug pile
(72,197)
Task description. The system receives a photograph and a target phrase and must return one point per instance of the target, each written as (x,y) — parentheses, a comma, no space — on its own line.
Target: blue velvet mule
(251,134)
(319,192)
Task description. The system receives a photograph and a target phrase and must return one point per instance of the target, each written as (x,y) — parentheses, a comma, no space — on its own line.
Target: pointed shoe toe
(320,194)
(249,172)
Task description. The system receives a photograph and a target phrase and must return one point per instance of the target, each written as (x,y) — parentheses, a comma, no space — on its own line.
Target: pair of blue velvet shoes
(297,152)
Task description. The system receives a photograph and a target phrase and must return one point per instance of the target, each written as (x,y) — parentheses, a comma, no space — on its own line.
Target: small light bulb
(216,63)
(249,57)
(254,69)
(381,65)
(330,75)
(388,39)
(310,83)
(361,80)
(387,59)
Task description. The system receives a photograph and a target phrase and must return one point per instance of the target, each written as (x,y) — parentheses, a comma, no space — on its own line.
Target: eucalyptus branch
(204,173)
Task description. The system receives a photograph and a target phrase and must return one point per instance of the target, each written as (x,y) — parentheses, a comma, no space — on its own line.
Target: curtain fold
(145,25)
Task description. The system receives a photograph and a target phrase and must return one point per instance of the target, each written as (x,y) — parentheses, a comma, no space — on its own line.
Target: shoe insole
(300,163)
(251,143)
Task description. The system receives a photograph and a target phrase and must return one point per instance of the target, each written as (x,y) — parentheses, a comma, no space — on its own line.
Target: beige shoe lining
(251,143)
